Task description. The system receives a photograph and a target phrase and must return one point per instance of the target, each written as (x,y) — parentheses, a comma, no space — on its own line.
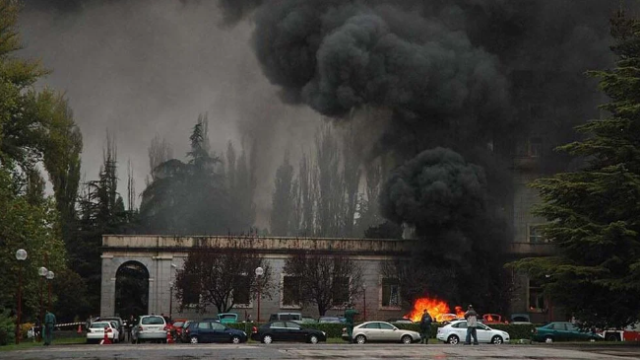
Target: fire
(434,307)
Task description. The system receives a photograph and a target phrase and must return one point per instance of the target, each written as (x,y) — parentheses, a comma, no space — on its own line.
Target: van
(289,316)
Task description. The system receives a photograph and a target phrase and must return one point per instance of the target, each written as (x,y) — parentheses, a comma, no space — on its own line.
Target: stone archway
(132,290)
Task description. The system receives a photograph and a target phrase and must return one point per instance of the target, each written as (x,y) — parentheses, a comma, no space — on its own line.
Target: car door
(484,333)
(295,332)
(460,329)
(371,331)
(388,332)
(204,332)
(218,333)
(278,331)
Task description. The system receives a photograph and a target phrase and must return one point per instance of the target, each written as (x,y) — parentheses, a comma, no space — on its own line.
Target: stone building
(159,257)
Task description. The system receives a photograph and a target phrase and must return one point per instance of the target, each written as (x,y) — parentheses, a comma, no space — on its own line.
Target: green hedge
(335,330)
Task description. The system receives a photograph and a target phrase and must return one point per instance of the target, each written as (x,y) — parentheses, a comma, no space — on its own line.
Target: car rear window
(228,316)
(153,320)
(99,325)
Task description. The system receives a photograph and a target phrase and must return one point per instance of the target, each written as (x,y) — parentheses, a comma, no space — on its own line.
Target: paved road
(321,351)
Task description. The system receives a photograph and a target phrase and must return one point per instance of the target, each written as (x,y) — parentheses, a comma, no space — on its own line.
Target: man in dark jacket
(425,326)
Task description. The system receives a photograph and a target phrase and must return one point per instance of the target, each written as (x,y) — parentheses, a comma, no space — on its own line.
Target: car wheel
(267,339)
(497,340)
(235,340)
(360,339)
(548,339)
(406,339)
(313,339)
(453,340)
(612,337)
(194,339)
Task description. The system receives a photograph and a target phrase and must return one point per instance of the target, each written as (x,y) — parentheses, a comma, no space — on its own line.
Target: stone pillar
(108,286)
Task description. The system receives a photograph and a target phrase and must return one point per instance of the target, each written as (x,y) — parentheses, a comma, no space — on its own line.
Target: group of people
(472,323)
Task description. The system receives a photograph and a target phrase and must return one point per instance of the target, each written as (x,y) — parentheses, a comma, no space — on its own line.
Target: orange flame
(434,307)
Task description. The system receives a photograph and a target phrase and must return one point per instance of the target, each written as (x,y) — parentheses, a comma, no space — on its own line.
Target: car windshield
(153,320)
(99,325)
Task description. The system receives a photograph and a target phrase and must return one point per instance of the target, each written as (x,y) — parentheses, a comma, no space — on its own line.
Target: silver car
(381,331)
(150,328)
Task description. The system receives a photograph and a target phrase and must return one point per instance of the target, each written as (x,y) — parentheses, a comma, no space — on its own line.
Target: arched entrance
(132,290)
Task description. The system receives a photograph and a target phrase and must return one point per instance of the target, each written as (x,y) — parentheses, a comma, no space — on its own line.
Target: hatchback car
(287,331)
(95,332)
(456,332)
(380,331)
(563,331)
(210,332)
(149,328)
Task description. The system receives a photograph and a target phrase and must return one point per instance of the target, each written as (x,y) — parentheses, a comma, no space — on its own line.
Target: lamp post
(42,271)
(21,255)
(50,276)
(364,310)
(259,272)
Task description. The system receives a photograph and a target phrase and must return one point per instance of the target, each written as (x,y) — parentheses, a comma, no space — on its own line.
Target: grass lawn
(27,344)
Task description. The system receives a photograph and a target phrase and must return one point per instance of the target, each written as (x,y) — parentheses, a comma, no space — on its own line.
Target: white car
(95,332)
(381,331)
(150,328)
(456,332)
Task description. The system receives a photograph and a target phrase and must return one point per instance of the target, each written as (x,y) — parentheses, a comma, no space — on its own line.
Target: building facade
(161,256)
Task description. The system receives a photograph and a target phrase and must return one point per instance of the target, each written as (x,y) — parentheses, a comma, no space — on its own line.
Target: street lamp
(259,272)
(364,311)
(42,271)
(21,255)
(50,276)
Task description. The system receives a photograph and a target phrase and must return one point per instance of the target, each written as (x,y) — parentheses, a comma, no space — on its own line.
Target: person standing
(349,316)
(425,326)
(49,325)
(472,323)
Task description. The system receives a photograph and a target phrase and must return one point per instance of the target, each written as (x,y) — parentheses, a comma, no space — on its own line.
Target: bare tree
(222,277)
(326,279)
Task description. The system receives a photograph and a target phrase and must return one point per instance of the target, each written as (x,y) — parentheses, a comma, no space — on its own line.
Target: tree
(282,204)
(222,277)
(593,213)
(326,280)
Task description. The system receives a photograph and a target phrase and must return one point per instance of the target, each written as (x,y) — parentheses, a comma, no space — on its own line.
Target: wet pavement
(321,351)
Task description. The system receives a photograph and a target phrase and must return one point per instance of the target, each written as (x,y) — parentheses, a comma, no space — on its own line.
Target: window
(372,326)
(535,234)
(278,325)
(204,325)
(390,292)
(217,327)
(241,289)
(461,325)
(340,291)
(291,325)
(291,291)
(536,297)
(385,326)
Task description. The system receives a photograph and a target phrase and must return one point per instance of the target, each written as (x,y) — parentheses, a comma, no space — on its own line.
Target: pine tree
(594,213)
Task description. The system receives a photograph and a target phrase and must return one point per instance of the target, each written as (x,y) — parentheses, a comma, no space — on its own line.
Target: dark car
(287,331)
(563,331)
(119,324)
(210,331)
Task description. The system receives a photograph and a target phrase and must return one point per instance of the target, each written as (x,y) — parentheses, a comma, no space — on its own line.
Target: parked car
(287,331)
(228,318)
(456,332)
(308,320)
(177,328)
(520,319)
(380,331)
(286,316)
(446,318)
(400,321)
(95,332)
(563,331)
(329,320)
(492,319)
(184,334)
(629,333)
(208,332)
(149,328)
(120,324)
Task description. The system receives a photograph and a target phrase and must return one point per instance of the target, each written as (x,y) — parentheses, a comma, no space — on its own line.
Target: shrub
(7,328)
